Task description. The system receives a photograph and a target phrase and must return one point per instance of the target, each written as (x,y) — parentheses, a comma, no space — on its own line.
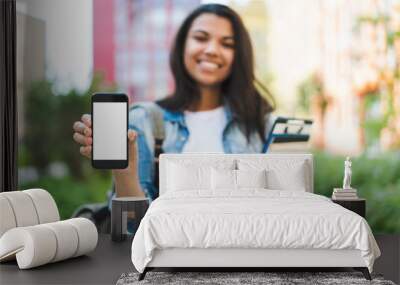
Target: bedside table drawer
(357,206)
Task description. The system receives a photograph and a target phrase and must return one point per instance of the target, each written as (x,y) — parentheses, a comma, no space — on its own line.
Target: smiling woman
(209,52)
(215,106)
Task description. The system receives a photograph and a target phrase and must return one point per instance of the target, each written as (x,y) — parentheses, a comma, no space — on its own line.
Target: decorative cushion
(184,175)
(294,181)
(223,179)
(183,178)
(288,174)
(251,178)
(237,179)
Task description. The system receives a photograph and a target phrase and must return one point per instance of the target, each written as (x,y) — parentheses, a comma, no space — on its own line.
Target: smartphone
(110,131)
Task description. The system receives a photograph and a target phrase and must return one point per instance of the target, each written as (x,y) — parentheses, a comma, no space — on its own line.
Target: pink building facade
(132,40)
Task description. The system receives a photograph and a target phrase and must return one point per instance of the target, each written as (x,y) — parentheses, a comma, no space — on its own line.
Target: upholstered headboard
(280,163)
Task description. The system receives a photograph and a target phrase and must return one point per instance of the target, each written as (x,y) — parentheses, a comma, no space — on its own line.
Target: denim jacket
(177,134)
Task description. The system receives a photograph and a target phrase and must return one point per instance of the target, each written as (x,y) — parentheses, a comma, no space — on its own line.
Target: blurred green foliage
(70,193)
(374,121)
(311,89)
(49,117)
(377,180)
(40,111)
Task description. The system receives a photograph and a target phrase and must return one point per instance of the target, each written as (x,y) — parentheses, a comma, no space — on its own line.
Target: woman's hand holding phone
(127,181)
(83,135)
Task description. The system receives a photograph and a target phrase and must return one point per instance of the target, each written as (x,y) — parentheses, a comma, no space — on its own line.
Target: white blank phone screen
(109,131)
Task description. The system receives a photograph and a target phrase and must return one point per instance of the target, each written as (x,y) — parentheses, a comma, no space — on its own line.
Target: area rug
(269,278)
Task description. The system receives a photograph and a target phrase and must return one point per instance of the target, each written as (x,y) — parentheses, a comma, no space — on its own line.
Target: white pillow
(282,174)
(251,178)
(193,175)
(293,181)
(223,179)
(183,178)
(237,179)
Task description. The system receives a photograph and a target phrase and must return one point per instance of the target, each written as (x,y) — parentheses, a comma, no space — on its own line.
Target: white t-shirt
(205,130)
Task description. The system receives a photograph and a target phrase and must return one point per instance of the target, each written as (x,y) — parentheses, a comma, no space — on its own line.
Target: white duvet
(253,218)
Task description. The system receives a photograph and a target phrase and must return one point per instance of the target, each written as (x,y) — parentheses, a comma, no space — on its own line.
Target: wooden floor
(110,260)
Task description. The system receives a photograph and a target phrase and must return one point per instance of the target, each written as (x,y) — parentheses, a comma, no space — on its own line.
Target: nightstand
(358,206)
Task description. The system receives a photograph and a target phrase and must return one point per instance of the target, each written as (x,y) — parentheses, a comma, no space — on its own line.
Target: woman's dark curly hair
(238,90)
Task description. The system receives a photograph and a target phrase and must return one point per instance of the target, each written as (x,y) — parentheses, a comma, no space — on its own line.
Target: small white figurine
(347,174)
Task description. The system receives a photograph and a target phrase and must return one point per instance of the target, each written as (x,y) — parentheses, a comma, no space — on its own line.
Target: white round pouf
(30,230)
(45,205)
(7,220)
(33,246)
(87,234)
(23,208)
(67,240)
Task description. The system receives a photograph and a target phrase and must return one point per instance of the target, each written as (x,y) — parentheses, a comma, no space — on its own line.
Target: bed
(241,210)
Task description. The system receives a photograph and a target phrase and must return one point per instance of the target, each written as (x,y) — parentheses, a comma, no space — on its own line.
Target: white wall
(69,43)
